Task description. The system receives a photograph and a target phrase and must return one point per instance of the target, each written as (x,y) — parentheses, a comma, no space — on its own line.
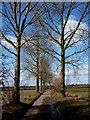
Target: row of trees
(50,31)
(38,64)
(34,59)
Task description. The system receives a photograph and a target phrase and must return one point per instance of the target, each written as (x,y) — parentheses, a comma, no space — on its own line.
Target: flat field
(26,96)
(71,107)
(84,92)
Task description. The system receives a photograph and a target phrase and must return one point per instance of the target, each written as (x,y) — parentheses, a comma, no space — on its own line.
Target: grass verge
(72,108)
(16,111)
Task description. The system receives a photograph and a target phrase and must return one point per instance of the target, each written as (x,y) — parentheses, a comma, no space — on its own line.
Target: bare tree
(5,70)
(32,61)
(69,36)
(6,78)
(16,17)
(33,52)
(46,76)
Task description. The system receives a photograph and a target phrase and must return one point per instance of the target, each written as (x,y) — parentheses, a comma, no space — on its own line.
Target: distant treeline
(34,87)
(78,86)
(21,88)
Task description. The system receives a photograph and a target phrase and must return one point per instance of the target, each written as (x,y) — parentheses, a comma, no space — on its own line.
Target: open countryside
(44,73)
(76,101)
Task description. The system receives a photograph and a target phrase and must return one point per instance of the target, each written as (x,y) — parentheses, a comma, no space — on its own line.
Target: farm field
(72,108)
(26,96)
(84,92)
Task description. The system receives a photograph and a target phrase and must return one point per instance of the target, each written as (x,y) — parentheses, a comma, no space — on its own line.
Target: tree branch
(47,52)
(8,50)
(72,34)
(77,52)
(8,40)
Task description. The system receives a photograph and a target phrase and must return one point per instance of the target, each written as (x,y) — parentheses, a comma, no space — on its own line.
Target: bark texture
(16,92)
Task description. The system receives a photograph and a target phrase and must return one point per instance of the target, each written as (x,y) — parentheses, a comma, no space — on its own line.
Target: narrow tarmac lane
(42,109)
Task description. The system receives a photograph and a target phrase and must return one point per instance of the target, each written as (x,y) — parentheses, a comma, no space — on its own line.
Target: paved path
(42,109)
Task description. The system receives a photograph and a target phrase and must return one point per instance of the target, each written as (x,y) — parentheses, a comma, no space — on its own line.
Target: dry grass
(16,111)
(26,96)
(72,107)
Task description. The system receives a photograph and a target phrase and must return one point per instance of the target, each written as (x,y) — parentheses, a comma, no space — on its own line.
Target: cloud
(71,17)
(56,74)
(72,24)
(27,79)
(81,76)
(80,33)
(83,71)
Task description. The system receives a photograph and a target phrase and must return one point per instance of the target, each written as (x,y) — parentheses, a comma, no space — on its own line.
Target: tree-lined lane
(42,109)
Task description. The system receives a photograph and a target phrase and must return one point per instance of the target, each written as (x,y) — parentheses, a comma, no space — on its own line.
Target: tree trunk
(37,55)
(41,81)
(16,92)
(44,87)
(37,80)
(37,84)
(62,74)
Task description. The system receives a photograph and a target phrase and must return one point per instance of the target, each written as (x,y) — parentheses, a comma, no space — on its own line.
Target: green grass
(84,92)
(71,108)
(27,92)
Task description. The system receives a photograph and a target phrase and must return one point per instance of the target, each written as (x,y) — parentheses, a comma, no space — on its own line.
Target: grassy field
(84,92)
(26,96)
(72,108)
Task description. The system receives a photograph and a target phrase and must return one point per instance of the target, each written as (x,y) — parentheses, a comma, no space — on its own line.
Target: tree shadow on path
(45,111)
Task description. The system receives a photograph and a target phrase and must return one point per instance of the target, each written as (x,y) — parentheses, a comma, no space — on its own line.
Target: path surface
(42,109)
